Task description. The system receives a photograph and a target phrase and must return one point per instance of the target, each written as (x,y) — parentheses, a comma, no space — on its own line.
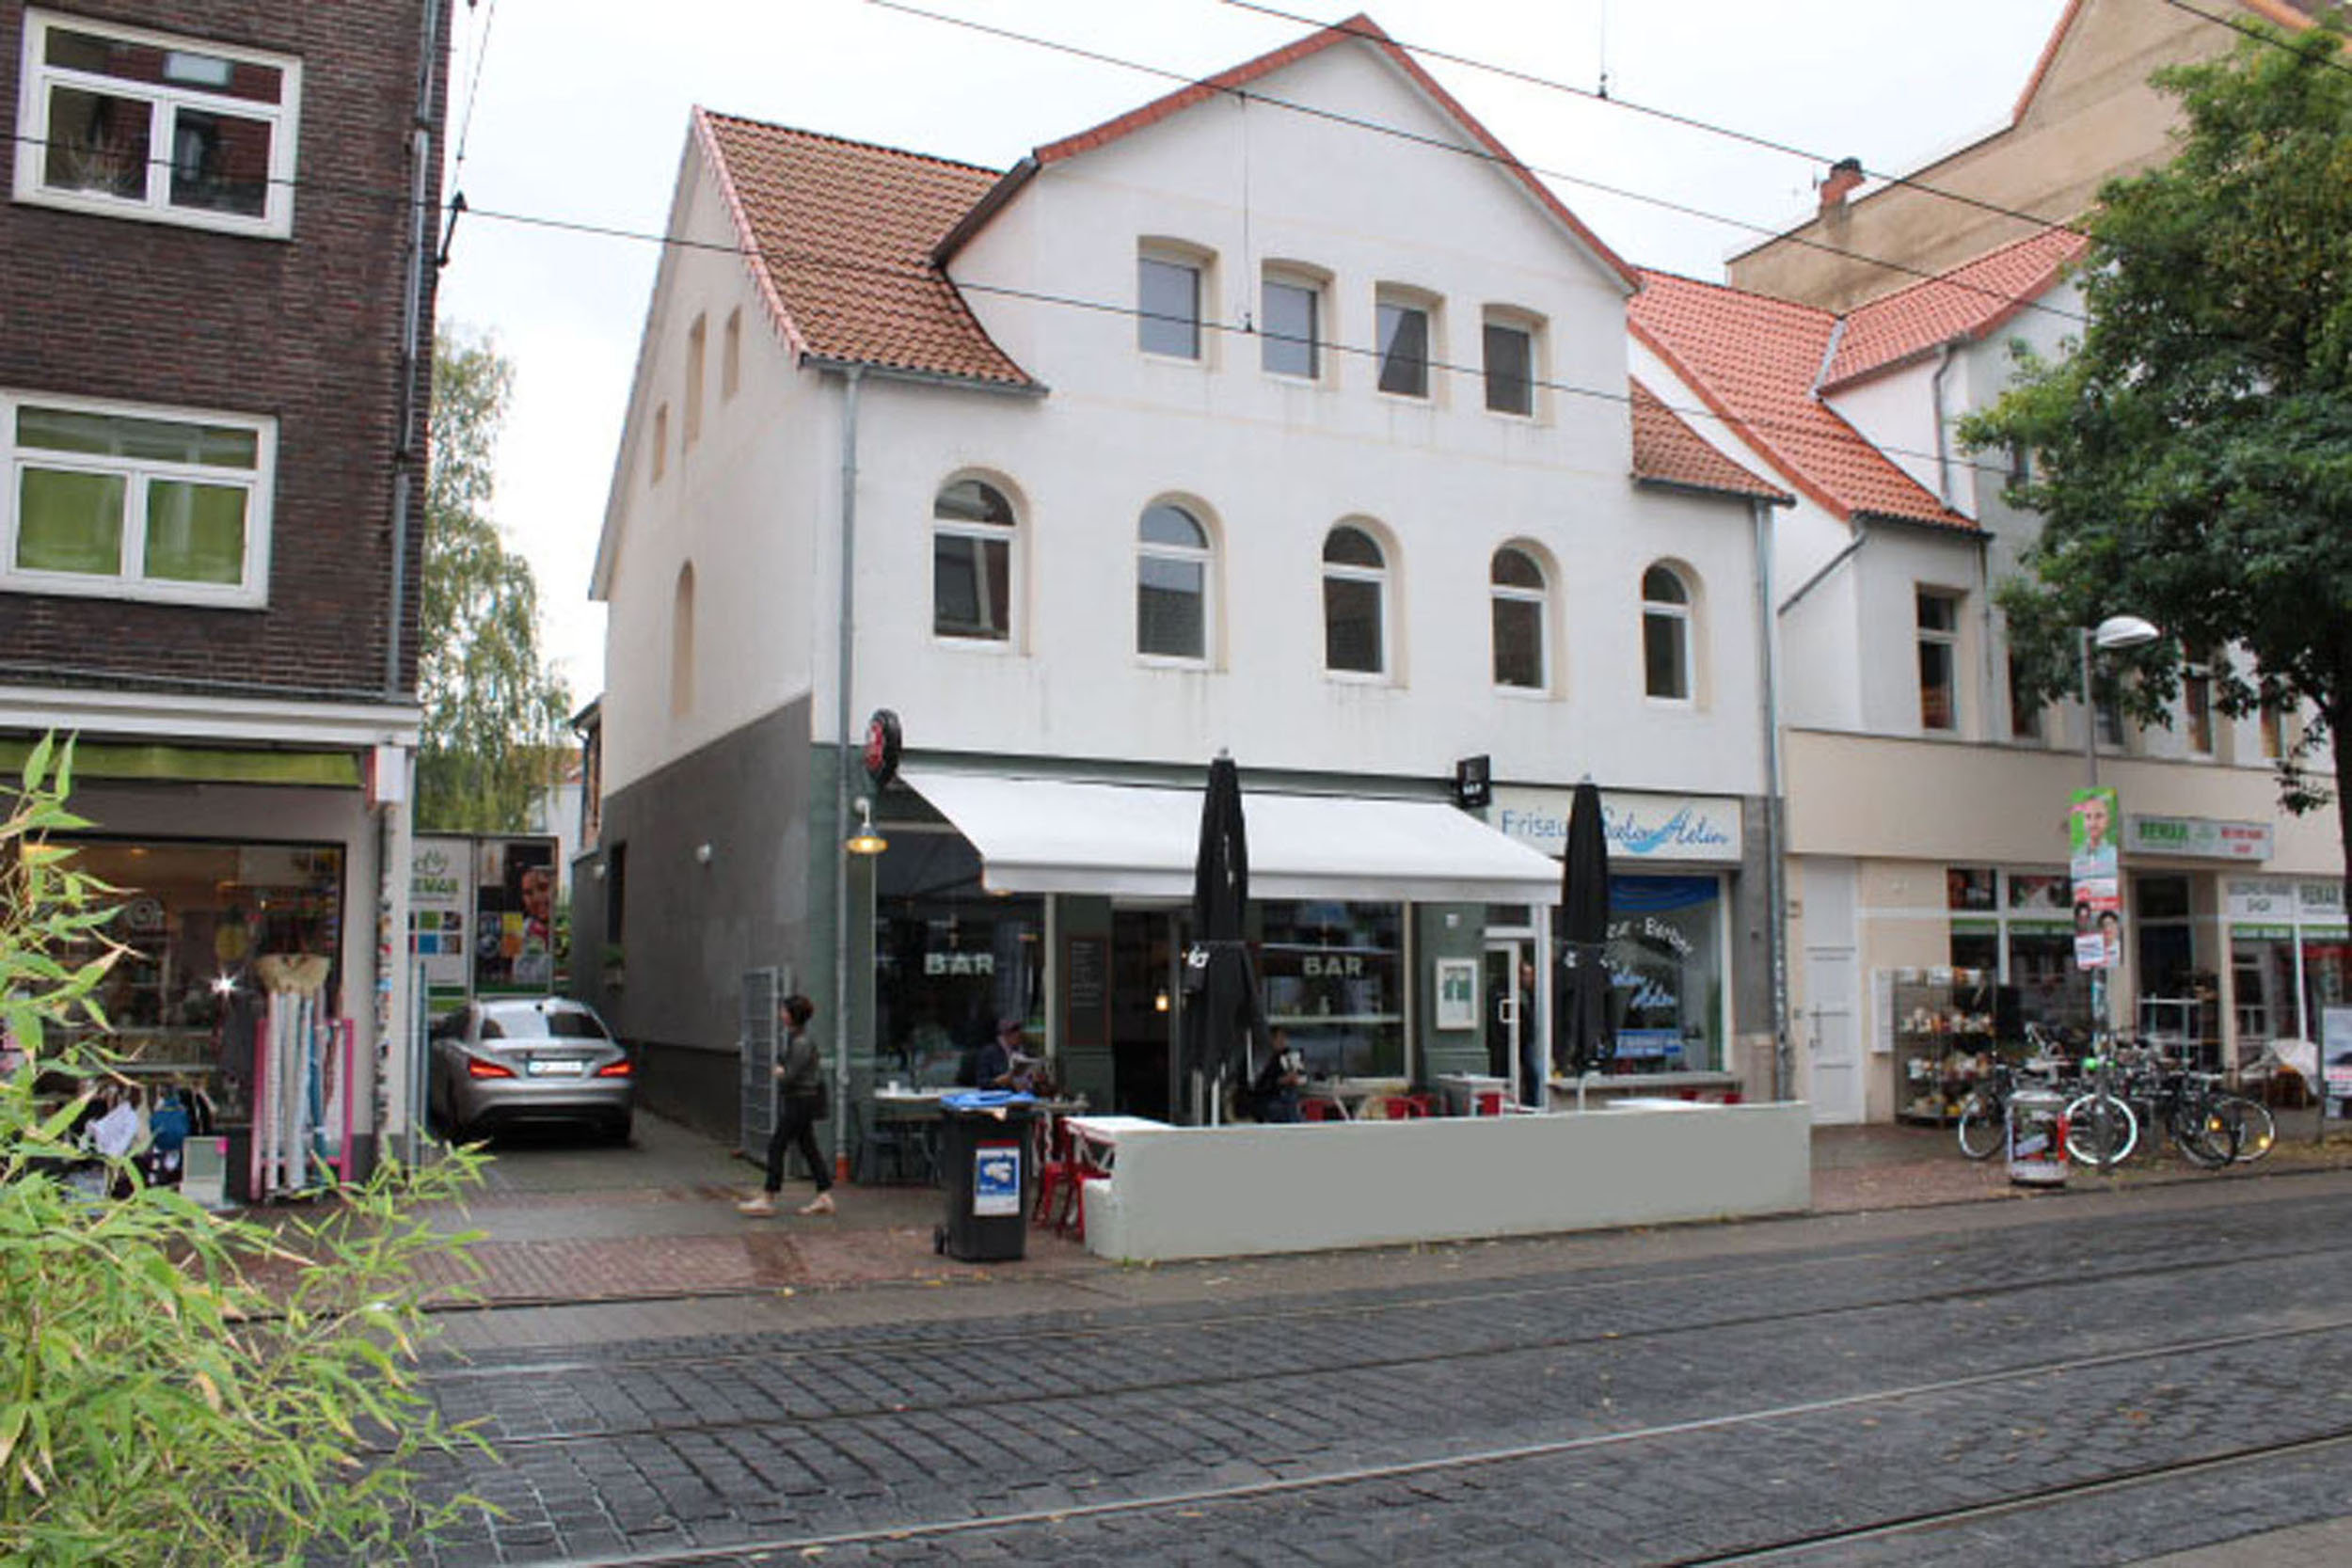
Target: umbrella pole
(1582,1079)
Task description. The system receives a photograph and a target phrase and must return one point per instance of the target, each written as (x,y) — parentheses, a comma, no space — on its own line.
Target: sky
(574,113)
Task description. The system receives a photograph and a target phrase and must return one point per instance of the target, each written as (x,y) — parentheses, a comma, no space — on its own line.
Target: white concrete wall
(1896,413)
(745,506)
(1216,1192)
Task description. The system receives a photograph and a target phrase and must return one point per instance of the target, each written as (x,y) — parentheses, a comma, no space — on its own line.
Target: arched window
(682,643)
(1666,634)
(972,534)
(1354,603)
(1171,584)
(1518,593)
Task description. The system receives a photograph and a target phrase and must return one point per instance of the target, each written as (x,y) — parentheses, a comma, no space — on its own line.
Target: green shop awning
(103,759)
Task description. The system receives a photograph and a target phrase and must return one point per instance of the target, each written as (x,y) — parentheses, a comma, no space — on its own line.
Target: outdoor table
(1462,1090)
(1095,1139)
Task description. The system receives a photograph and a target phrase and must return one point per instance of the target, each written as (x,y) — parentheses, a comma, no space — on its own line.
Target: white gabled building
(1228,424)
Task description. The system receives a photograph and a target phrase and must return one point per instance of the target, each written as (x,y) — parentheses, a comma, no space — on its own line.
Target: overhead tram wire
(813,262)
(2333,62)
(1482,155)
(1670,117)
(457,203)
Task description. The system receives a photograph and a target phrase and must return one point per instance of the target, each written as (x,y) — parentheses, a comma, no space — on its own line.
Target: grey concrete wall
(690,928)
(1220,1191)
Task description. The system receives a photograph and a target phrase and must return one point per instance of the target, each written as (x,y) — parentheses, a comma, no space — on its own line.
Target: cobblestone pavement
(1880,1387)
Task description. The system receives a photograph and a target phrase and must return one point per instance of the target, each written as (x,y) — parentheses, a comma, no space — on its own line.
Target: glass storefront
(1666,962)
(196,919)
(949,961)
(1335,980)
(2018,925)
(2290,956)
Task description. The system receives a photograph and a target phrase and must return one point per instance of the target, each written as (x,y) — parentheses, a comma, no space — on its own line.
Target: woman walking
(801,1084)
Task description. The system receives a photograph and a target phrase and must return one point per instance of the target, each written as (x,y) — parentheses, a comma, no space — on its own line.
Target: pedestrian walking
(801,1087)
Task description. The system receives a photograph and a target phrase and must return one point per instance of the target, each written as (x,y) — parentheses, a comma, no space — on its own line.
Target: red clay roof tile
(1963,304)
(1753,361)
(1668,451)
(839,235)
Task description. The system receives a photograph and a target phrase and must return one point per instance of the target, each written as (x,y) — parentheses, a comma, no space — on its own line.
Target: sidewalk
(657,1223)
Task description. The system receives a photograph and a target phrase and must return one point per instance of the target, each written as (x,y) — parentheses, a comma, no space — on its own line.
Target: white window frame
(1010,537)
(1529,326)
(1389,297)
(1381,576)
(1946,637)
(1319,335)
(1684,621)
(1168,254)
(251,593)
(1541,598)
(1204,557)
(36,78)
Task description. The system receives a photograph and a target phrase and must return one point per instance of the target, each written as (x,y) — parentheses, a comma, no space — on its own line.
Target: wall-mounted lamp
(1159,1001)
(701,854)
(866,841)
(599,871)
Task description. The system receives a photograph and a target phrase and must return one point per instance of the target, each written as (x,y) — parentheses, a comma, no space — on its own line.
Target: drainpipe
(1775,873)
(1943,434)
(411,330)
(853,377)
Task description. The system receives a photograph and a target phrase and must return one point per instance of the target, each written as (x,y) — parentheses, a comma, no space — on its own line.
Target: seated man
(1279,1081)
(1005,1061)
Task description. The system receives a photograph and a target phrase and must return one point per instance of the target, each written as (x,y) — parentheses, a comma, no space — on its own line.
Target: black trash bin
(984,1163)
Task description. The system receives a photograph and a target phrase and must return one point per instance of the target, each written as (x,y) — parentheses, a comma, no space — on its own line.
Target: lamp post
(2115,633)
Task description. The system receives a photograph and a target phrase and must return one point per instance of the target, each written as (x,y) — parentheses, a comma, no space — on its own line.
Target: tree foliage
(178,1385)
(2192,453)
(493,711)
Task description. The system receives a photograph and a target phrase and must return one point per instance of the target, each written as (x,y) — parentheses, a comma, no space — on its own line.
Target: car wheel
(619,1131)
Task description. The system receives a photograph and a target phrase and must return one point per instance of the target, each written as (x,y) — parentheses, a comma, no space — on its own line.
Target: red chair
(1060,1176)
(1407,1107)
(1488,1103)
(1320,1110)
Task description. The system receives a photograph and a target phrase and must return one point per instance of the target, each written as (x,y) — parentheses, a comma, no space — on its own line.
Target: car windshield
(533,1023)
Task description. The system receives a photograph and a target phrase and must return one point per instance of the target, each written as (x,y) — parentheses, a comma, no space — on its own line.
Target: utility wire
(473,92)
(2255,32)
(1670,117)
(1478,153)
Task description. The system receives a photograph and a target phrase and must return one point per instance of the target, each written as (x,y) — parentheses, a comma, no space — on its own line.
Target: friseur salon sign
(1643,827)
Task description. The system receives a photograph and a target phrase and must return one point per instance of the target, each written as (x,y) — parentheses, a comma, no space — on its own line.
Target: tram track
(1186,1503)
(1387,1359)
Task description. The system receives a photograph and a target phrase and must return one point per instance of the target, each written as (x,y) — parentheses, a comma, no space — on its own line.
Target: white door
(1832,1021)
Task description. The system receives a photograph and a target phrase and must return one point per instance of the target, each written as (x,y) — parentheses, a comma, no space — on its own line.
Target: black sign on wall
(1473,782)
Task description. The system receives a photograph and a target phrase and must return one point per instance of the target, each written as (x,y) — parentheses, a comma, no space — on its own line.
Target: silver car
(502,1061)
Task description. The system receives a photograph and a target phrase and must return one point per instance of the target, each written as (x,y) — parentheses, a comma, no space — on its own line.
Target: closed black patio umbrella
(1224,1019)
(1584,1026)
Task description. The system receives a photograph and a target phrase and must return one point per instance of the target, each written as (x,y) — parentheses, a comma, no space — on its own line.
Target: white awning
(1053,836)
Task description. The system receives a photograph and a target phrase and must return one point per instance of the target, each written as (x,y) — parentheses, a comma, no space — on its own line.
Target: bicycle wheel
(2203,1134)
(2098,1126)
(2250,1130)
(1982,1128)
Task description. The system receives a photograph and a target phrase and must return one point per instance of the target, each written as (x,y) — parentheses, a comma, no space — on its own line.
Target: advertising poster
(513,941)
(997,1179)
(2090,823)
(440,891)
(2335,1035)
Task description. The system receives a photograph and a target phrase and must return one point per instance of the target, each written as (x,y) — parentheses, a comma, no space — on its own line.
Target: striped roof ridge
(1667,451)
(1753,361)
(838,237)
(1361,29)
(1966,304)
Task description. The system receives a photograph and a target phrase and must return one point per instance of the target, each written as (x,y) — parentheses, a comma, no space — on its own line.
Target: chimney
(1844,175)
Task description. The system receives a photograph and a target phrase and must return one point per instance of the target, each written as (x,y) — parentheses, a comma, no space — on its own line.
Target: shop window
(949,961)
(1938,614)
(698,342)
(138,124)
(1354,603)
(1519,605)
(1665,961)
(1509,364)
(197,920)
(1290,324)
(1665,635)
(2020,926)
(1168,304)
(1172,576)
(1334,976)
(1401,326)
(121,502)
(971,539)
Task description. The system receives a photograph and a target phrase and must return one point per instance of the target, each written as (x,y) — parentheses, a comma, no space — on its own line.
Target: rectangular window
(1167,318)
(2025,715)
(1170,597)
(972,586)
(1290,328)
(1334,978)
(1352,640)
(122,503)
(1665,961)
(1403,349)
(1939,659)
(1518,634)
(2197,707)
(139,125)
(1510,369)
(2273,721)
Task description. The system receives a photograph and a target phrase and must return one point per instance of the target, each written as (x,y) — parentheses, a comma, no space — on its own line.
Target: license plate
(556,1069)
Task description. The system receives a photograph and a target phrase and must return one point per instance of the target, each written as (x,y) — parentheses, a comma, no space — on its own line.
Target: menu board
(1085,990)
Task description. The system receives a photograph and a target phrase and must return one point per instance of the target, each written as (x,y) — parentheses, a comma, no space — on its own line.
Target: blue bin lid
(986,1100)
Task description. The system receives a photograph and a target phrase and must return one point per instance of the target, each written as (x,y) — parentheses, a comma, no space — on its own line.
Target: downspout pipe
(412,333)
(852,380)
(1775,872)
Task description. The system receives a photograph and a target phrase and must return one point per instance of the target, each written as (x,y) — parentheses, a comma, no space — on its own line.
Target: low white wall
(1216,1192)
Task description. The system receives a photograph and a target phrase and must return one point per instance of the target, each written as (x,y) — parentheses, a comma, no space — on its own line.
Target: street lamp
(2112,635)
